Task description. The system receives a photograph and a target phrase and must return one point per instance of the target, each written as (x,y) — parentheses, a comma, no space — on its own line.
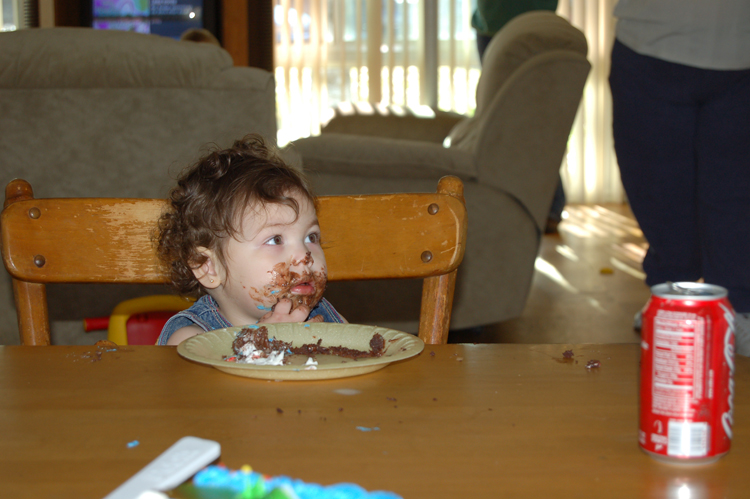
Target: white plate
(209,348)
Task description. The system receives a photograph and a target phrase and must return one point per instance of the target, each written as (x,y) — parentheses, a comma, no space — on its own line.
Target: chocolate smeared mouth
(283,282)
(305,284)
(302,280)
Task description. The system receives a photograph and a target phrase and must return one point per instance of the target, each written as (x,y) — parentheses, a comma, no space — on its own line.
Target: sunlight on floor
(595,220)
(588,282)
(598,222)
(567,252)
(550,271)
(618,264)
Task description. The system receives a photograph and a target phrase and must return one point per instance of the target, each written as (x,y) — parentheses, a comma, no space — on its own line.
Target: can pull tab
(688,289)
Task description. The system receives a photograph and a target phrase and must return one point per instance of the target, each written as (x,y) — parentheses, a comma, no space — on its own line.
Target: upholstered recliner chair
(508,154)
(114,114)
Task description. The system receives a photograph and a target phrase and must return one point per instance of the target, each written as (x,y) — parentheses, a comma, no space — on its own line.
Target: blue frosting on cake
(253,485)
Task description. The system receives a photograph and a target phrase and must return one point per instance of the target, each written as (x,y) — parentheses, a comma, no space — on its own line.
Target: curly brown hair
(211,198)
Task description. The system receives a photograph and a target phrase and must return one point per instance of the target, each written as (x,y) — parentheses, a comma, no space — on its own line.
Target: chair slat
(110,240)
(82,240)
(390,235)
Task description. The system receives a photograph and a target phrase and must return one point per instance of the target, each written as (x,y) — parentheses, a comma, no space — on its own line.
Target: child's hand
(282,312)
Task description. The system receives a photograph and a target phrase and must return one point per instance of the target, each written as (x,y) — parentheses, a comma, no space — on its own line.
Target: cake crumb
(106,345)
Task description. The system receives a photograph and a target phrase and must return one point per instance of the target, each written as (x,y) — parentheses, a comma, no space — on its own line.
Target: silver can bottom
(684,461)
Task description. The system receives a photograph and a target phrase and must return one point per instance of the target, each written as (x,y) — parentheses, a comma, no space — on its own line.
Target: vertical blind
(9,15)
(389,55)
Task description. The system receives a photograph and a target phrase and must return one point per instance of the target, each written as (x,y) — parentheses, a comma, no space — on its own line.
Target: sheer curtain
(590,173)
(9,15)
(398,56)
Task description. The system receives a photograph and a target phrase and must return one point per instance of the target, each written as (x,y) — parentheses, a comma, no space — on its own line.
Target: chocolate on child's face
(301,288)
(279,256)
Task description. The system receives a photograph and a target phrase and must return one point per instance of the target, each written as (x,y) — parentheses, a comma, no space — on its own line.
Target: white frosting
(311,364)
(251,355)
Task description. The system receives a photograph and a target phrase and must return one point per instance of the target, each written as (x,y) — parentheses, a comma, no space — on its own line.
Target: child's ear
(209,272)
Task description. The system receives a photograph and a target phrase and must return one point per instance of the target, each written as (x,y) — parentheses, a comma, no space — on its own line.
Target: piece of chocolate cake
(252,345)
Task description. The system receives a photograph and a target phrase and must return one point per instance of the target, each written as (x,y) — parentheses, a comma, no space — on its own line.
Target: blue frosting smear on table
(248,484)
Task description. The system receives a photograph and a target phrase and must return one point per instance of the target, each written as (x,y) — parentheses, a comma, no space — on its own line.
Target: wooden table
(457,421)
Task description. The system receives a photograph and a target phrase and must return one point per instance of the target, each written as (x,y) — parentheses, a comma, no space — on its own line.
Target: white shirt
(709,34)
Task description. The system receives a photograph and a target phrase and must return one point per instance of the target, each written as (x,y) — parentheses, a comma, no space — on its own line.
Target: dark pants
(682,137)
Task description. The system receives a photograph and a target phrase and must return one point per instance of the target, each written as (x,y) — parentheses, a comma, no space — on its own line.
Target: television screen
(121,8)
(160,17)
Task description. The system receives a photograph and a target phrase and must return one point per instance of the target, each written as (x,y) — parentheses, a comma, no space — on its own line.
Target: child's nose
(302,260)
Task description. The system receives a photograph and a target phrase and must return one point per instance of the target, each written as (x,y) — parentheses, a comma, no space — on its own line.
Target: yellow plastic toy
(117,331)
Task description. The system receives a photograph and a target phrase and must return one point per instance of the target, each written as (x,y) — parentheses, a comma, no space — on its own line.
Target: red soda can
(687,373)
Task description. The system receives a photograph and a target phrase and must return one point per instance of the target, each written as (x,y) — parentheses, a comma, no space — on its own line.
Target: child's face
(275,257)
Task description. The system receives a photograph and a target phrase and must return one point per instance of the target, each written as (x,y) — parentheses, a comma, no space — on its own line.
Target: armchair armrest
(408,127)
(364,156)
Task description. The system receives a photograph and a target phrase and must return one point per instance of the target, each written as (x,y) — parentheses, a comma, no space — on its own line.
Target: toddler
(241,232)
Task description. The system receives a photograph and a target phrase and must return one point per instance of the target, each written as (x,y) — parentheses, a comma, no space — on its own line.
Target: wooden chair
(108,240)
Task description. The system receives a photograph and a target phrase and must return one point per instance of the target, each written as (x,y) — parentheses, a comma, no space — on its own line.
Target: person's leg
(723,152)
(558,201)
(654,131)
(555,212)
(482,42)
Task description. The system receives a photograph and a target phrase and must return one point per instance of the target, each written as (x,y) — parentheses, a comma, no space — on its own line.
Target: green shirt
(491,15)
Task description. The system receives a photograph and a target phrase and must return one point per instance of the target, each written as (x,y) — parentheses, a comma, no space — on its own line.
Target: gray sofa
(109,113)
(508,155)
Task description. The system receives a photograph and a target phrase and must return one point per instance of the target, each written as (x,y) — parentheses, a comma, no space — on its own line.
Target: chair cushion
(362,156)
(89,58)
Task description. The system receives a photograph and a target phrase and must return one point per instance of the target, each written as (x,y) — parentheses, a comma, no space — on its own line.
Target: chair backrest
(109,240)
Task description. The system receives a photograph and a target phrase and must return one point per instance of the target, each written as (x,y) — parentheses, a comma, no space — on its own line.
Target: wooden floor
(587,286)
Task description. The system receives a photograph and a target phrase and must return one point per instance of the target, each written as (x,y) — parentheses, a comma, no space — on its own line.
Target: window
(382,55)
(371,51)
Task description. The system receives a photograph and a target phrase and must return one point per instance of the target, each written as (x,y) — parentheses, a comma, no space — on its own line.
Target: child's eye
(275,240)
(313,238)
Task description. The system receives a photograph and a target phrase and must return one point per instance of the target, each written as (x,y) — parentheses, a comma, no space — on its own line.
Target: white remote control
(175,465)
